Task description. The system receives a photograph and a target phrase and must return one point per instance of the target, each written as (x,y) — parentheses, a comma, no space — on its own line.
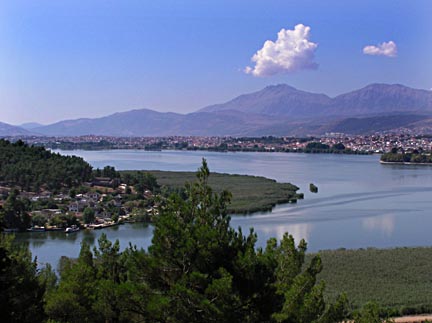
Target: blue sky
(68,59)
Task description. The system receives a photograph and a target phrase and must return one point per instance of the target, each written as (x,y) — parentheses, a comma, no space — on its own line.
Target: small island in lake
(313,188)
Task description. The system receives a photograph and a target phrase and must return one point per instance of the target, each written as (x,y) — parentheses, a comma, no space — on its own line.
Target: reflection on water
(385,224)
(298,231)
(37,243)
(88,237)
(360,203)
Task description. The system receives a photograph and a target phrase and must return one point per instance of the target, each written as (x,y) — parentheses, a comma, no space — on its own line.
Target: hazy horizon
(186,112)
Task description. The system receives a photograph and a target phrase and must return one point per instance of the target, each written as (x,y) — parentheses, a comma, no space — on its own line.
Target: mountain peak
(384,86)
(382,98)
(281,86)
(275,100)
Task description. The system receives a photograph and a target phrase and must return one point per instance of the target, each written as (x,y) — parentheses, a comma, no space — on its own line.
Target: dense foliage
(141,181)
(22,287)
(398,280)
(13,213)
(249,193)
(316,147)
(394,157)
(33,168)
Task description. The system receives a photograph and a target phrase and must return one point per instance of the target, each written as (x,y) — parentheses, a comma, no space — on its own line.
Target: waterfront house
(77,206)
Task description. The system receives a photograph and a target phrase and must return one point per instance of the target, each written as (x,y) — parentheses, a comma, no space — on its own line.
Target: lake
(360,202)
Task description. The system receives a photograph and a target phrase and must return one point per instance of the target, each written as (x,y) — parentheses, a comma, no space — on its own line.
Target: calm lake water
(360,203)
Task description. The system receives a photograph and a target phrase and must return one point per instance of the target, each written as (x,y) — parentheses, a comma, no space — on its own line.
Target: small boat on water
(102,225)
(72,229)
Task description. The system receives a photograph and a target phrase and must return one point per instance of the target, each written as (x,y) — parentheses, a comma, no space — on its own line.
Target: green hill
(33,168)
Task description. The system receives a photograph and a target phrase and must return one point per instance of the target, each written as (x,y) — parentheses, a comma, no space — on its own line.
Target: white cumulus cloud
(292,51)
(388,49)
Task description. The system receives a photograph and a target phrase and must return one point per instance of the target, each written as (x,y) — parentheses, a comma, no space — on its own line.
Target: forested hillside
(33,168)
(198,269)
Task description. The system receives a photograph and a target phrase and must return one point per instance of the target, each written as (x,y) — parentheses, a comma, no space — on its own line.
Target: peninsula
(41,190)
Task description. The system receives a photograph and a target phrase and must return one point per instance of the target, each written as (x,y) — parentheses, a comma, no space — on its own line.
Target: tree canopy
(22,286)
(32,167)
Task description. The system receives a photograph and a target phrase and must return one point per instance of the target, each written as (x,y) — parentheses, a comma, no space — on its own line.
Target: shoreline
(296,151)
(404,163)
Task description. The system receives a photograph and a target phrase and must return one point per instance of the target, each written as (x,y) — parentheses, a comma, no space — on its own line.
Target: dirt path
(413,319)
(410,319)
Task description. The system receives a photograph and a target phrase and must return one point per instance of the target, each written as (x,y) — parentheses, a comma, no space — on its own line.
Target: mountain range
(10,130)
(284,100)
(275,110)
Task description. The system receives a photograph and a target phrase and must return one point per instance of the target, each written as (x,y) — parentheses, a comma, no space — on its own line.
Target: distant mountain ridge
(130,123)
(275,110)
(146,122)
(277,100)
(382,98)
(10,130)
(284,100)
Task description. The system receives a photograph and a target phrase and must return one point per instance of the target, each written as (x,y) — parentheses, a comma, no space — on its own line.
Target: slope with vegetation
(33,168)
(396,279)
(198,269)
